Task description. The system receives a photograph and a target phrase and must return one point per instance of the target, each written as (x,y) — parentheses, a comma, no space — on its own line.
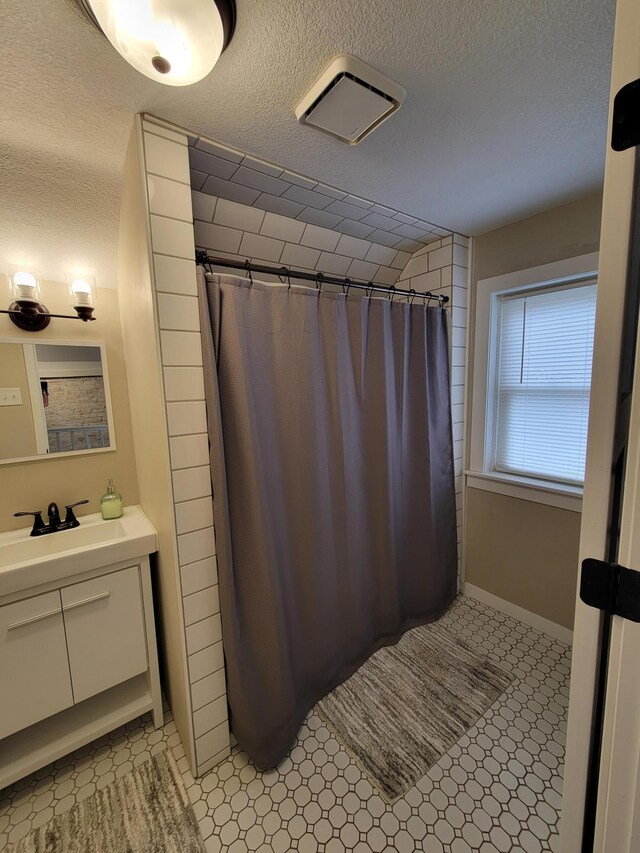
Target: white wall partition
(168,191)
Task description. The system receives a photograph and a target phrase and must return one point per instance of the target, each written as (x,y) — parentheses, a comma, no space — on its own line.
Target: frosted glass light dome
(176,42)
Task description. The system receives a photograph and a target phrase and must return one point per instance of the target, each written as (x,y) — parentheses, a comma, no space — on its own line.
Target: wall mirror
(54,400)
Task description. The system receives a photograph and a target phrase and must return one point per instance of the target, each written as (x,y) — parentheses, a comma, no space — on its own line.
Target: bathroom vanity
(78,653)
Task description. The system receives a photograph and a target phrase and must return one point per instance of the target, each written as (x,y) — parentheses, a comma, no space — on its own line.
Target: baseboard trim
(558,632)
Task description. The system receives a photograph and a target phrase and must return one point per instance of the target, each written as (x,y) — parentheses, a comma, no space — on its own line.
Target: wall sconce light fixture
(82,292)
(31,315)
(176,42)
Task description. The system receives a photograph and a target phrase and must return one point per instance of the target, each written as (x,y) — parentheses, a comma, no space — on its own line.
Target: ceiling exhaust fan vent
(349,100)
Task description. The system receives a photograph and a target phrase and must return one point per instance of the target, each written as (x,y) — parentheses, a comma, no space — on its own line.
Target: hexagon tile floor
(497,790)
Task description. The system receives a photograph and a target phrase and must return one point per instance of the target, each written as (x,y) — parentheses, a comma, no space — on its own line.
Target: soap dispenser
(111,502)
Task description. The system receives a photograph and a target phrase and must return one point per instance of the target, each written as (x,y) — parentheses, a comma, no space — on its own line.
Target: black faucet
(55,524)
(54,515)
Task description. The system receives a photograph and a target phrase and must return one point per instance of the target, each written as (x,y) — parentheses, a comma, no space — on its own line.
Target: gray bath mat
(146,811)
(410,703)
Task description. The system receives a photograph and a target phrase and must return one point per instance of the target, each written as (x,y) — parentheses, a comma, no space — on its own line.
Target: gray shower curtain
(331,452)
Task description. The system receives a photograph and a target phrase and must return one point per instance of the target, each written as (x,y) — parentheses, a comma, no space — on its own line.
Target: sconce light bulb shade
(81,291)
(25,279)
(25,287)
(176,42)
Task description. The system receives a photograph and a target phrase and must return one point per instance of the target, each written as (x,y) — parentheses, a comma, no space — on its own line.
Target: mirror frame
(107,394)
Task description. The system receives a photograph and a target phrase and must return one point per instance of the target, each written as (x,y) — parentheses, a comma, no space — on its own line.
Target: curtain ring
(347,284)
(370,289)
(319,278)
(413,295)
(392,292)
(247,266)
(285,276)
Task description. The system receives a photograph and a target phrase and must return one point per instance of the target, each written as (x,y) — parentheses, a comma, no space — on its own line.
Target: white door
(34,667)
(617,814)
(104,625)
(617,827)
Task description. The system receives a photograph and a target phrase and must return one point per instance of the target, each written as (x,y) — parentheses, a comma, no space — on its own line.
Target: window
(530,380)
(542,375)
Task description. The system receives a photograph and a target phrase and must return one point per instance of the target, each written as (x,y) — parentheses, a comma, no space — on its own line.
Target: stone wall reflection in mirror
(53,400)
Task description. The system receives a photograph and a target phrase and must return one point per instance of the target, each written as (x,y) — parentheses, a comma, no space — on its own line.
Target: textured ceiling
(505,114)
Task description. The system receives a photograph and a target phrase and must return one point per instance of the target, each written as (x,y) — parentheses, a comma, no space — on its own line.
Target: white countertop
(27,561)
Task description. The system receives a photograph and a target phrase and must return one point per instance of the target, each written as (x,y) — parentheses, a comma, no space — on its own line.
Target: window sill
(537,491)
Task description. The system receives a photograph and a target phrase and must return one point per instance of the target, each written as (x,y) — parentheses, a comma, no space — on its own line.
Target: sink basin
(26,561)
(34,547)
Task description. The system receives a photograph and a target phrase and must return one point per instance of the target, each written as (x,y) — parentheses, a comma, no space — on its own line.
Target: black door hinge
(611,588)
(625,126)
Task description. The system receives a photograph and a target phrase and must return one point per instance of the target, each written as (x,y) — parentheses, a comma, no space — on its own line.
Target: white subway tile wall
(181,349)
(194,515)
(183,383)
(208,689)
(199,575)
(199,634)
(178,312)
(240,232)
(442,268)
(172,236)
(175,275)
(164,157)
(197,545)
(190,483)
(186,418)
(217,170)
(205,662)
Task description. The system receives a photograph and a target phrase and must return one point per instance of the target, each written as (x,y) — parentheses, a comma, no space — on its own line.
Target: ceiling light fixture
(176,42)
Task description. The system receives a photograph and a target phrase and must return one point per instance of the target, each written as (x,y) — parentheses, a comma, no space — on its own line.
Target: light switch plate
(10,397)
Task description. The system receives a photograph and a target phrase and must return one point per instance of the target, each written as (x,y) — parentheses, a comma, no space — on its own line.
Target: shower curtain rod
(205,259)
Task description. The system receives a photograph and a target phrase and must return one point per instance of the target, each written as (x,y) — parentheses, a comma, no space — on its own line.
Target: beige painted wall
(32,485)
(17,434)
(532,561)
(562,232)
(524,552)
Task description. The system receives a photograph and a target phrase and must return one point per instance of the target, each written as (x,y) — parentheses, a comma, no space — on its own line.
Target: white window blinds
(543,378)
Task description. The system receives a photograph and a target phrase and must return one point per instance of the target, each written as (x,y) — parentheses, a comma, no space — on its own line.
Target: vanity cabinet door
(104,622)
(34,669)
